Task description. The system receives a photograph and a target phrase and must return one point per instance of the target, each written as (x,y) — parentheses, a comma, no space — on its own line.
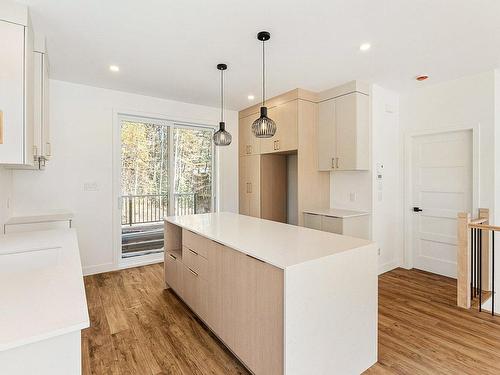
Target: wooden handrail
(485,227)
(478,221)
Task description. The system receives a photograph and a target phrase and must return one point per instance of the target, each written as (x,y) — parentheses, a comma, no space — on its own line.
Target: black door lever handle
(417,209)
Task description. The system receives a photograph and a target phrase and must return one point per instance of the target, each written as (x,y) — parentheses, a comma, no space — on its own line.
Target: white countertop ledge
(281,245)
(336,212)
(42,294)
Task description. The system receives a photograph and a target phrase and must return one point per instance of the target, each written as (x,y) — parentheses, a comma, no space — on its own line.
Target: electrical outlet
(90,186)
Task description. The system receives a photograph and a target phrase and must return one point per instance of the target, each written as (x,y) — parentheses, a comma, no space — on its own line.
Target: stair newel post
(484,213)
(463,261)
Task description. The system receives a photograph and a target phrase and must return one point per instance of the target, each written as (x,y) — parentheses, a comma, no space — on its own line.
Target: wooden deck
(137,327)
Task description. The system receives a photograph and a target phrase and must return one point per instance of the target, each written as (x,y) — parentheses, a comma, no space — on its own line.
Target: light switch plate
(90,186)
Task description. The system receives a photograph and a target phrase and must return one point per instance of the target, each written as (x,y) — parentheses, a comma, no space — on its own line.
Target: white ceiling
(169,49)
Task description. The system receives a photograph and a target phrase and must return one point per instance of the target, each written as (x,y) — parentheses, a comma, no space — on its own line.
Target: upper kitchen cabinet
(285,139)
(343,130)
(41,103)
(248,143)
(16,86)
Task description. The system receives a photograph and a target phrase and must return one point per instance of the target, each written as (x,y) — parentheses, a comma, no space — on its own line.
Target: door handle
(417,209)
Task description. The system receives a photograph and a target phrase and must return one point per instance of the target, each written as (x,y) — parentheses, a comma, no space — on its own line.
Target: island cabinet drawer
(195,261)
(173,272)
(199,244)
(195,292)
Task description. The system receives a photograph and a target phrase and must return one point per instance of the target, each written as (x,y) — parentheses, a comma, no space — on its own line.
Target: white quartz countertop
(40,217)
(281,245)
(335,212)
(42,294)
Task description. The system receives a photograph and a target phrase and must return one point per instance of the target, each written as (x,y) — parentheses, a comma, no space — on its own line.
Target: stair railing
(475,260)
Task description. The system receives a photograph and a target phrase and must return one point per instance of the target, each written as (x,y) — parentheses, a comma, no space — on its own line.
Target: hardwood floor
(137,327)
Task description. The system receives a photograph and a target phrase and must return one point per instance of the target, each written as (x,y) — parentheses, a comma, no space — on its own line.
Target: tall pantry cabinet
(265,169)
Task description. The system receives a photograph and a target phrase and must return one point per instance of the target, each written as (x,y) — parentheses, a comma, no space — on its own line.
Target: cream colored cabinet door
(332,224)
(287,131)
(244,199)
(286,138)
(312,221)
(248,144)
(12,62)
(352,127)
(253,185)
(327,135)
(172,269)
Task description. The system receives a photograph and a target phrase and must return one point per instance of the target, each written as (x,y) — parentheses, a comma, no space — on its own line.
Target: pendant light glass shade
(221,136)
(263,127)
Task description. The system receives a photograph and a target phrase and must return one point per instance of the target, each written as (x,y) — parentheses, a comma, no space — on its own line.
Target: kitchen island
(284,299)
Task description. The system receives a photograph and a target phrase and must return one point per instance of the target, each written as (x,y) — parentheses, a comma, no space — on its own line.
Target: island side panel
(172,266)
(172,237)
(331,314)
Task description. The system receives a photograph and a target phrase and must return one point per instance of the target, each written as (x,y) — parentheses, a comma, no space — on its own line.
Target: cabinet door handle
(194,273)
(194,252)
(249,187)
(333,163)
(337,163)
(49,149)
(173,256)
(277,144)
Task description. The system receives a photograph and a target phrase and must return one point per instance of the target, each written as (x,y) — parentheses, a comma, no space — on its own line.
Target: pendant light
(221,136)
(263,127)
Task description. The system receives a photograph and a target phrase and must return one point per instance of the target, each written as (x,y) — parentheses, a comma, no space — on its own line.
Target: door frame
(118,114)
(408,183)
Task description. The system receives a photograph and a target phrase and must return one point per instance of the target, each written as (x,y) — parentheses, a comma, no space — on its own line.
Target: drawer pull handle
(194,252)
(194,273)
(173,256)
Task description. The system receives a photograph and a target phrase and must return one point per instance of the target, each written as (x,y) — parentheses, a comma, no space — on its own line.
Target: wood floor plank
(138,327)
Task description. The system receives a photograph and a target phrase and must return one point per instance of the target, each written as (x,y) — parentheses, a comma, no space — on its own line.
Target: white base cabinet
(354,225)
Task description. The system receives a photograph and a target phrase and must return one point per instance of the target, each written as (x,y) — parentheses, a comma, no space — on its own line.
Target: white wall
(5,195)
(81,131)
(387,218)
(472,100)
(463,102)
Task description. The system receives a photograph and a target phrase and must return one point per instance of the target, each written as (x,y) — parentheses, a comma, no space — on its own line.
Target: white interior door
(442,187)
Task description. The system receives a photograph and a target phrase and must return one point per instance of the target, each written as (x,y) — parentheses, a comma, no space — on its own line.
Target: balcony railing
(152,208)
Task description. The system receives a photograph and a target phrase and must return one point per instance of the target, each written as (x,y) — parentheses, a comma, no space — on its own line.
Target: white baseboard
(100,268)
(386,267)
(128,263)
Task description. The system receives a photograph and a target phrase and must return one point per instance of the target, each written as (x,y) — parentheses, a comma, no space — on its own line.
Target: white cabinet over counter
(284,299)
(24,123)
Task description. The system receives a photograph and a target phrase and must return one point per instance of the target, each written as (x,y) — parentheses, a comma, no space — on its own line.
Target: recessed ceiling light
(365,47)
(251,97)
(114,68)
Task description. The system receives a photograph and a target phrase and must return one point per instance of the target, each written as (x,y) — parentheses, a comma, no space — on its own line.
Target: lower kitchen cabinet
(239,297)
(348,223)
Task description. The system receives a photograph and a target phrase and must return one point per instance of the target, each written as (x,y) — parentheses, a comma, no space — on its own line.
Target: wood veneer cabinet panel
(248,143)
(273,186)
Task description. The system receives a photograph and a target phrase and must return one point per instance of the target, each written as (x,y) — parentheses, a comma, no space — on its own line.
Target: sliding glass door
(166,169)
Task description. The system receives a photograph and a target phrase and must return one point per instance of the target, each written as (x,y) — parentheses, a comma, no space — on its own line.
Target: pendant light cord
(222,95)
(263,74)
